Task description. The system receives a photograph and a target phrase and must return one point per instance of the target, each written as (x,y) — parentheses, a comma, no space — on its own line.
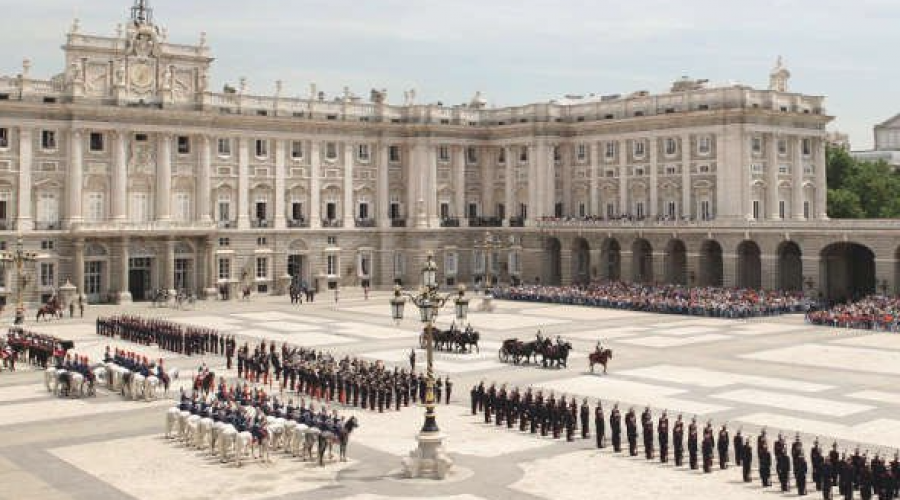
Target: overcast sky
(515,51)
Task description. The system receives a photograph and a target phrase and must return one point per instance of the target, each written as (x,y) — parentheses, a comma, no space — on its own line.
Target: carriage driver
(599,348)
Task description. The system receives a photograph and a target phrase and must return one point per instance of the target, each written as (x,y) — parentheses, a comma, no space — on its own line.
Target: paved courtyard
(776,373)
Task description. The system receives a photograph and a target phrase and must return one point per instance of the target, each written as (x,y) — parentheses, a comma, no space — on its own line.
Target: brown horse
(51,310)
(601,357)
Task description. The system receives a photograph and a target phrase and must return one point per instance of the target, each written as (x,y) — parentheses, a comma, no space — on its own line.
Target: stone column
(429,191)
(212,274)
(686,150)
(545,180)
(488,162)
(120,176)
(459,185)
(383,200)
(348,212)
(622,151)
(124,268)
(797,180)
(279,219)
(821,208)
(594,180)
(315,203)
(533,181)
(204,187)
(509,186)
(24,220)
(78,271)
(243,218)
(169,268)
(772,177)
(164,178)
(75,182)
(567,157)
(654,177)
(414,172)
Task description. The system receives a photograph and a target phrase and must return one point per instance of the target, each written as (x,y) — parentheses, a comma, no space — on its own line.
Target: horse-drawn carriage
(452,340)
(180,299)
(553,354)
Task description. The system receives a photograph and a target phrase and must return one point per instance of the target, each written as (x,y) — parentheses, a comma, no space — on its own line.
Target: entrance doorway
(296,268)
(139,278)
(183,274)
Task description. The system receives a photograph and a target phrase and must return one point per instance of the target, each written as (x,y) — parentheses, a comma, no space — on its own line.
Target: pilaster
(75,182)
(164,178)
(204,187)
(347,189)
(24,220)
(280,160)
(120,176)
(243,218)
(315,193)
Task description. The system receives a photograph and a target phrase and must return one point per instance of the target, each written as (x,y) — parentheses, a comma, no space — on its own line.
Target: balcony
(517,222)
(332,223)
(365,222)
(485,222)
(296,223)
(5,225)
(450,222)
(48,226)
(260,224)
(398,222)
(226,224)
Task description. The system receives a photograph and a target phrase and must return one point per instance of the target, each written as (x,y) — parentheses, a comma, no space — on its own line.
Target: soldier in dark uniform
(600,425)
(746,460)
(448,388)
(865,481)
(783,469)
(738,447)
(615,426)
(723,443)
(692,443)
(569,422)
(473,398)
(631,431)
(585,414)
(800,471)
(678,441)
(438,390)
(817,459)
(525,411)
(662,431)
(500,405)
(647,432)
(489,403)
(707,449)
(480,397)
(537,411)
(895,475)
(765,464)
(826,472)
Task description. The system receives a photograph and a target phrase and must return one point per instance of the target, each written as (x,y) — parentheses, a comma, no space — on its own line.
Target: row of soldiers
(167,335)
(530,410)
(36,349)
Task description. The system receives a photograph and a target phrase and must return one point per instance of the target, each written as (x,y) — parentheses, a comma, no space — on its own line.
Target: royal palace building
(126,173)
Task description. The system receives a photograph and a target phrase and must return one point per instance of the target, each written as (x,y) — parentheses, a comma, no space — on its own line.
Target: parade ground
(776,372)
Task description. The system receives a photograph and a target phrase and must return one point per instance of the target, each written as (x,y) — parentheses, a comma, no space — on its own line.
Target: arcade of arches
(833,270)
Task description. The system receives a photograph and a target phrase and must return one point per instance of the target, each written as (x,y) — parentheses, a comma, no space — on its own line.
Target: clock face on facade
(141,74)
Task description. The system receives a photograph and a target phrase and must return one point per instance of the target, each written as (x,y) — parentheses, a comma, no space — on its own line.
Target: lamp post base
(428,460)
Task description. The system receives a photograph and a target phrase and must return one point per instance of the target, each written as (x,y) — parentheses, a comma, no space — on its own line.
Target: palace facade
(127,173)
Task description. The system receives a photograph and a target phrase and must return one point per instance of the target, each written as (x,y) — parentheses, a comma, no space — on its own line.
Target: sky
(514,51)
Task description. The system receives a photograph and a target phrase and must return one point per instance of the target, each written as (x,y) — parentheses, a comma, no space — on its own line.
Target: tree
(844,204)
(861,189)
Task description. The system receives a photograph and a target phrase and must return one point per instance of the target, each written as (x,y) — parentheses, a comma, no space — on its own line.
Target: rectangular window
(501,211)
(183,206)
(704,145)
(296,150)
(756,209)
(224,242)
(671,209)
(48,140)
(363,211)
(450,261)
(610,150)
(224,269)
(445,210)
(394,154)
(296,210)
(399,265)
(362,152)
(224,210)
(262,148)
(705,210)
(639,149)
(807,147)
(184,145)
(95,211)
(471,154)
(330,151)
(784,169)
(331,263)
(224,147)
(96,142)
(557,153)
(581,152)
(262,268)
(523,154)
(610,210)
(782,147)
(781,208)
(756,168)
(501,156)
(444,153)
(582,211)
(756,145)
(261,210)
(395,211)
(331,210)
(473,210)
(639,210)
(48,275)
(140,207)
(48,208)
(4,138)
(671,146)
(806,209)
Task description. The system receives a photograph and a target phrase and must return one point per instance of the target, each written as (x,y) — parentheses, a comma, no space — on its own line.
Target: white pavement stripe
(306,339)
(754,328)
(288,326)
(580,313)
(632,393)
(879,396)
(793,402)
(832,356)
(876,341)
(881,432)
(684,330)
(17,392)
(371,331)
(52,409)
(702,377)
(280,316)
(660,341)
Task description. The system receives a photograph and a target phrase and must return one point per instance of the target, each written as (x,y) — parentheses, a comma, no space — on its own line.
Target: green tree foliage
(861,189)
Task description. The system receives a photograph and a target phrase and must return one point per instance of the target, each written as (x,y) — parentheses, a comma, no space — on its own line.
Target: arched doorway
(676,263)
(711,268)
(553,267)
(611,258)
(642,261)
(847,271)
(749,265)
(790,267)
(581,261)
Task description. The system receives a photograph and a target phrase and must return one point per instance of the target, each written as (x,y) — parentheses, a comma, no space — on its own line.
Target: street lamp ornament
(19,257)
(429,458)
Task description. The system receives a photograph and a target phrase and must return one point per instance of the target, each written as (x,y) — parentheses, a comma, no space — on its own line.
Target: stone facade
(128,174)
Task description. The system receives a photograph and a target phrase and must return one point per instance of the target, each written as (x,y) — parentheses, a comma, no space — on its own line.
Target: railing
(48,226)
(332,223)
(398,222)
(292,223)
(450,222)
(365,223)
(485,222)
(106,226)
(517,222)
(5,225)
(260,223)
(226,224)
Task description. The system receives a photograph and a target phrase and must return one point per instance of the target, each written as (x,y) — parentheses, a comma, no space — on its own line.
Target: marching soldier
(707,449)
(600,425)
(765,464)
(585,415)
(783,469)
(678,441)
(615,426)
(800,470)
(662,429)
(448,388)
(746,461)
(631,431)
(825,479)
(723,443)
(817,459)
(647,430)
(692,443)
(738,447)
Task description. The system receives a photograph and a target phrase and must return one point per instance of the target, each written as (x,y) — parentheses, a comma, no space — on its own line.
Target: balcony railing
(226,224)
(293,223)
(365,223)
(260,223)
(332,223)
(485,222)
(48,226)
(450,222)
(517,222)
(398,222)
(5,225)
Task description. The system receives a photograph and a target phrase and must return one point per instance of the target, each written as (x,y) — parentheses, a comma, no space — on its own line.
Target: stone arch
(641,261)
(749,265)
(847,271)
(553,262)
(790,266)
(711,269)
(611,260)
(676,262)
(581,261)
(95,249)
(298,246)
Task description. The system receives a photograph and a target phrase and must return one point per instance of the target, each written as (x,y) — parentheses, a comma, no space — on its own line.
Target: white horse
(310,439)
(50,379)
(172,418)
(137,385)
(150,385)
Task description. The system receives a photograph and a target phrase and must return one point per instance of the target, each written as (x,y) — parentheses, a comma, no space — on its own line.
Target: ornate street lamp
(429,458)
(19,257)
(489,245)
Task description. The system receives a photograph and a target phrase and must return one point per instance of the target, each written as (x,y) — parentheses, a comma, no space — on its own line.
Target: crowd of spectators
(874,312)
(666,299)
